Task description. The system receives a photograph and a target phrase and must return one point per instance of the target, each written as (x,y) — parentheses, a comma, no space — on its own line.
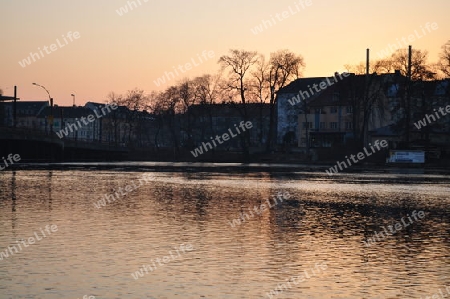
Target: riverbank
(230,167)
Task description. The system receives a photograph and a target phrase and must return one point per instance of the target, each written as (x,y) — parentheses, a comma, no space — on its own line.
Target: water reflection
(324,220)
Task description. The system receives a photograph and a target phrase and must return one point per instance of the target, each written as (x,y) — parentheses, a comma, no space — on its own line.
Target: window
(393,90)
(323,125)
(348,125)
(349,109)
(333,109)
(318,111)
(335,97)
(333,125)
(307,125)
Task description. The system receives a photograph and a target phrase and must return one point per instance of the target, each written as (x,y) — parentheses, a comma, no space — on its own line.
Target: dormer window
(335,97)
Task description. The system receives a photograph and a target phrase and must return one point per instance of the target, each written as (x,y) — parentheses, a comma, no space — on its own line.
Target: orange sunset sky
(120,52)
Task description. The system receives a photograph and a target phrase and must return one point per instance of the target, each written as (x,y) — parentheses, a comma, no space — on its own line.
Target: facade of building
(216,119)
(361,109)
(290,103)
(68,122)
(344,109)
(26,113)
(111,127)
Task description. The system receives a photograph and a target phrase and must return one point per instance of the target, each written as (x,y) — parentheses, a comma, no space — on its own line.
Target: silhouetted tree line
(164,118)
(244,77)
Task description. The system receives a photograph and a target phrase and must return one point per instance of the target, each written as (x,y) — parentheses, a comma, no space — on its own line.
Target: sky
(92,48)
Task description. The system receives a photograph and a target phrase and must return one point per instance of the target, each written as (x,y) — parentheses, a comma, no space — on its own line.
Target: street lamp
(73,95)
(51,107)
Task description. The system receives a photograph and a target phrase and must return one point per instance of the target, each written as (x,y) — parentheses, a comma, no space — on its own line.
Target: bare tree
(171,106)
(365,94)
(261,90)
(367,101)
(259,81)
(358,69)
(135,101)
(284,67)
(206,89)
(156,105)
(115,120)
(239,64)
(207,92)
(444,59)
(420,69)
(187,98)
(382,66)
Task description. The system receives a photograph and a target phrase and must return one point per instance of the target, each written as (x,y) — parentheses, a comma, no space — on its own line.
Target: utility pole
(51,110)
(62,117)
(367,61)
(51,117)
(366,99)
(15,107)
(408,97)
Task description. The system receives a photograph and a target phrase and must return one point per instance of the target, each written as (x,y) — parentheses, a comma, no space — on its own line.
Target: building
(290,103)
(347,110)
(26,113)
(344,109)
(68,122)
(216,119)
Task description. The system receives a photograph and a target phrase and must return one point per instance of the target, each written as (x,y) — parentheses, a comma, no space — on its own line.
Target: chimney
(397,73)
(367,62)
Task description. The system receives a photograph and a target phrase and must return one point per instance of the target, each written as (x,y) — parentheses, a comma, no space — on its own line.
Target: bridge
(33,145)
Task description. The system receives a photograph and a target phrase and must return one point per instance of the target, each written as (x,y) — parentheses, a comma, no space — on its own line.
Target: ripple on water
(324,220)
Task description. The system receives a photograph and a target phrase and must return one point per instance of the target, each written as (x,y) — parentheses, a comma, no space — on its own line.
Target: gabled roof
(339,84)
(27,108)
(92,105)
(68,112)
(334,95)
(121,110)
(300,84)
(344,90)
(30,108)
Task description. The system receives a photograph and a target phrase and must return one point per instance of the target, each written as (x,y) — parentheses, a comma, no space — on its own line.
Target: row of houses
(363,108)
(317,112)
(123,126)
(65,121)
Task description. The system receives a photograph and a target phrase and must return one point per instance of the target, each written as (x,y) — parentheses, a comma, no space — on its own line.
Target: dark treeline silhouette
(247,87)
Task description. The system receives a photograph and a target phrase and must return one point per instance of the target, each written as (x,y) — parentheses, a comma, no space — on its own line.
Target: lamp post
(73,95)
(51,107)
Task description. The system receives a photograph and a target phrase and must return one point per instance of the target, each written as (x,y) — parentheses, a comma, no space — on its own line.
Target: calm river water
(172,235)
